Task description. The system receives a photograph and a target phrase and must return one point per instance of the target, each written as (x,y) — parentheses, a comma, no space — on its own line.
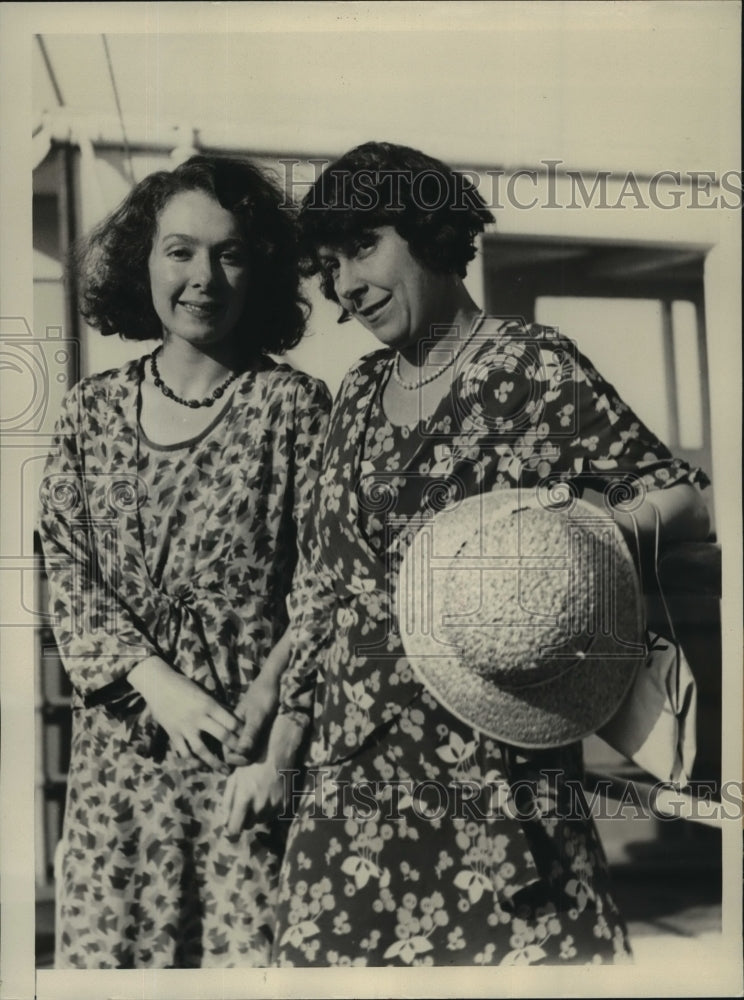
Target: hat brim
(541,715)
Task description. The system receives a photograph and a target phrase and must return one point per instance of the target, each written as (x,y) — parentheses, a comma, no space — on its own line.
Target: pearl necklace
(193,403)
(411,386)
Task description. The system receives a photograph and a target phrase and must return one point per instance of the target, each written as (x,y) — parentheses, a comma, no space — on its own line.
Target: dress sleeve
(312,406)
(587,431)
(97,640)
(311,619)
(311,600)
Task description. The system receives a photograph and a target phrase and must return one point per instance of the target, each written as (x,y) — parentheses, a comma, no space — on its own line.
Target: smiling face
(198,270)
(380,283)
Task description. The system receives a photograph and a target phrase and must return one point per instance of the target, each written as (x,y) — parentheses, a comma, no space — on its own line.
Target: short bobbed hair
(112,263)
(437,210)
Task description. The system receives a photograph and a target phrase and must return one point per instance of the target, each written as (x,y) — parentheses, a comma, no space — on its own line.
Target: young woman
(173,502)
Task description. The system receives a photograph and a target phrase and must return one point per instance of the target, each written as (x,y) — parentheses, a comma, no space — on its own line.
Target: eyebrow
(186,237)
(346,247)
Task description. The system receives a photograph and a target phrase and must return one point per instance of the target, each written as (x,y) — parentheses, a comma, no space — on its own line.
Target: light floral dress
(416,840)
(187,552)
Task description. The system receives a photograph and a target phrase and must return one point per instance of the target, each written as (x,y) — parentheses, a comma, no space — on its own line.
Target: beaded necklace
(193,403)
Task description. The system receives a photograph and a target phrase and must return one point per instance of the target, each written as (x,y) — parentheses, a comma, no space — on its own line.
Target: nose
(349,283)
(202,273)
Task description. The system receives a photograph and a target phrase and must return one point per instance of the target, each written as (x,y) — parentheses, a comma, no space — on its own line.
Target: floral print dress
(416,840)
(186,552)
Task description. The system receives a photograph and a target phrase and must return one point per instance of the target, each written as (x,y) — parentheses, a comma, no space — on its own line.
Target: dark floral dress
(417,841)
(186,552)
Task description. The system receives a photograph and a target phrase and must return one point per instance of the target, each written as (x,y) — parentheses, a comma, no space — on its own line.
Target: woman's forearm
(147,673)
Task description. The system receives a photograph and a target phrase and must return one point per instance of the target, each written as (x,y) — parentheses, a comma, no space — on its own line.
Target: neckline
(458,373)
(475,324)
(188,442)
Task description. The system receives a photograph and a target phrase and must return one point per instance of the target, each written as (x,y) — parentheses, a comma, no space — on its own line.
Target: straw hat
(524,621)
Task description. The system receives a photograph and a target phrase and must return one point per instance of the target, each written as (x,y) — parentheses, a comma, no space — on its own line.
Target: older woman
(173,500)
(455,404)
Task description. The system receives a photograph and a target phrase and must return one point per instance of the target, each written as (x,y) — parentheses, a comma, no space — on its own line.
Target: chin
(390,338)
(404,343)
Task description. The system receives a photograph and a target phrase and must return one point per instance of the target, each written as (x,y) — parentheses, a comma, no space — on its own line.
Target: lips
(201,310)
(372,312)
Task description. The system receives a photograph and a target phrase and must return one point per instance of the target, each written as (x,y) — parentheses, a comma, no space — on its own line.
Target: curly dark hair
(436,210)
(112,263)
